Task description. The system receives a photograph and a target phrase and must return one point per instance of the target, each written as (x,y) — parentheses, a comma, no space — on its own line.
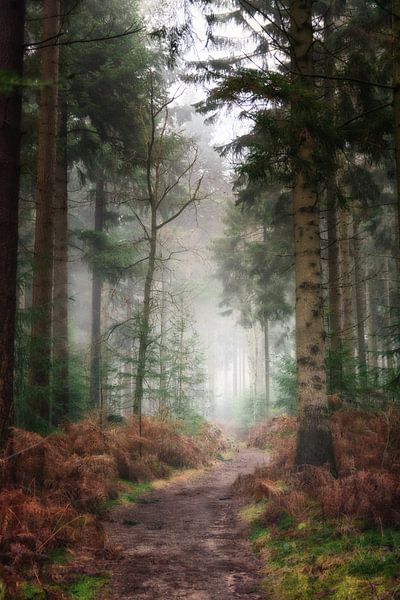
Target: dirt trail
(184,541)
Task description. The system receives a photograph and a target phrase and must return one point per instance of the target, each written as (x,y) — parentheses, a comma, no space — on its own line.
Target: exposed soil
(185,541)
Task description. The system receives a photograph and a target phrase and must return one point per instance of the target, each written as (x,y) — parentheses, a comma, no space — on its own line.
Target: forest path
(185,541)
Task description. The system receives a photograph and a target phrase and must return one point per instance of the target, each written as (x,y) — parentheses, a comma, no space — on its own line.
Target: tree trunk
(12,15)
(95,396)
(162,401)
(40,365)
(346,281)
(60,273)
(267,369)
(372,341)
(314,440)
(388,315)
(396,123)
(333,269)
(145,319)
(359,285)
(234,368)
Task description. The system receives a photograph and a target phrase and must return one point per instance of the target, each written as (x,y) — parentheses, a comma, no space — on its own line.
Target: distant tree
(172,186)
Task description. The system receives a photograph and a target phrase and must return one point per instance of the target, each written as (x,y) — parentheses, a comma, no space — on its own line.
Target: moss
(3,590)
(376,563)
(60,556)
(86,588)
(331,559)
(131,494)
(29,591)
(252,512)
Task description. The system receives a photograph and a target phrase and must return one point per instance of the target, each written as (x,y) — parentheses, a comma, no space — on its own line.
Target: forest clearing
(199,299)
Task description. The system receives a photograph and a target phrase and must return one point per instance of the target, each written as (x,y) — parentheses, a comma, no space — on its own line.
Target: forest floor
(185,540)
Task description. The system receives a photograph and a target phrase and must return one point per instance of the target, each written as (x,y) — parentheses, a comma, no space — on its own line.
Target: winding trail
(184,541)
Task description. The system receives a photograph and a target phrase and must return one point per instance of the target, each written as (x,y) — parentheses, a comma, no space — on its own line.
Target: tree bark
(346,281)
(396,124)
(60,273)
(359,285)
(12,16)
(40,364)
(334,288)
(145,318)
(314,440)
(372,340)
(267,373)
(95,397)
(388,315)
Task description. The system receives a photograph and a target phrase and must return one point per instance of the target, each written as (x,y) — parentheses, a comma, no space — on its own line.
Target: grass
(86,588)
(337,559)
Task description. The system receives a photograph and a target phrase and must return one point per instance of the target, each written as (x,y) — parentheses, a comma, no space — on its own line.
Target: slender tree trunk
(371,316)
(359,286)
(388,315)
(60,272)
(40,365)
(314,440)
(145,318)
(334,269)
(267,369)
(162,404)
(346,281)
(95,395)
(12,16)
(235,369)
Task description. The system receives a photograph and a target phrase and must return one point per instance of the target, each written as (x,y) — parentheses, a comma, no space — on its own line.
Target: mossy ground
(335,559)
(85,588)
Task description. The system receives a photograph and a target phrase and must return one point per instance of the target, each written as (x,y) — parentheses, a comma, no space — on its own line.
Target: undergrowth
(62,485)
(322,536)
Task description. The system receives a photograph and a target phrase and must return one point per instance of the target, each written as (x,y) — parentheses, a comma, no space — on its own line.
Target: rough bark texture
(60,272)
(12,15)
(97,287)
(39,376)
(359,285)
(314,442)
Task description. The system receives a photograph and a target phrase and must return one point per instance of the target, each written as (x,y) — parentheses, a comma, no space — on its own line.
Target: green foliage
(30,591)
(86,588)
(329,559)
(286,385)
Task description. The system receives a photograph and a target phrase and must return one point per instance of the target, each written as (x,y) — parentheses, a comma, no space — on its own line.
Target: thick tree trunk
(39,377)
(60,273)
(314,440)
(396,117)
(95,396)
(359,286)
(12,15)
(267,373)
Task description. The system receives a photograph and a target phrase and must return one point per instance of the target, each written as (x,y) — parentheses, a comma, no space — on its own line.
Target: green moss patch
(336,560)
(86,588)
